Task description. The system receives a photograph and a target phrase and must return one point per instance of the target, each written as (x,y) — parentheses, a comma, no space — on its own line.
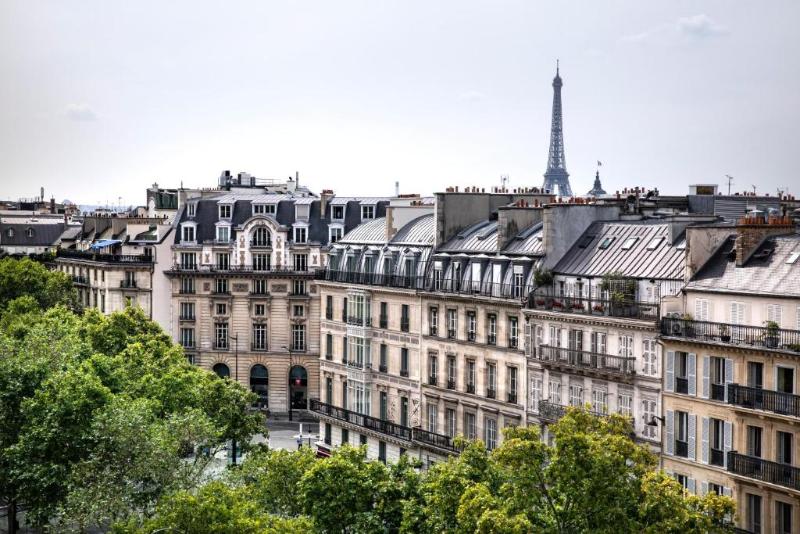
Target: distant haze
(99,98)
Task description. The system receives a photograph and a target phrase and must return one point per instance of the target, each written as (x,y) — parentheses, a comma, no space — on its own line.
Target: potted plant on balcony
(540,302)
(577,306)
(724,333)
(542,277)
(772,335)
(688,324)
(599,308)
(557,304)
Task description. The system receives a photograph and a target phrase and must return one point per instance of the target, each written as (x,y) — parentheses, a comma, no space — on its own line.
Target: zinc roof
(528,241)
(420,231)
(480,237)
(372,231)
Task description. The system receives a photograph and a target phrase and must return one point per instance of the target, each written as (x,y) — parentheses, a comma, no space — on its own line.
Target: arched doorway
(298,385)
(259,384)
(222,370)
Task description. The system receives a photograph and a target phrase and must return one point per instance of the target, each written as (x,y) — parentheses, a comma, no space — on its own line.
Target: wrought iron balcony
(586,361)
(365,421)
(451,384)
(552,412)
(127,284)
(764,399)
(404,373)
(624,308)
(359,321)
(512,398)
(106,258)
(470,388)
(491,393)
(764,470)
(432,380)
(451,333)
(423,437)
(383,368)
(732,334)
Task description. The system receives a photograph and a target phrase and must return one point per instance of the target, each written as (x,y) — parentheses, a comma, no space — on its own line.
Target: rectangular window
(774,313)
(450,422)
(260,310)
(223,234)
(470,376)
(335,234)
(225,211)
(328,346)
(472,326)
(187,311)
(754,434)
(221,336)
(259,336)
(188,234)
(367,212)
(682,434)
(452,323)
(384,359)
(451,372)
(433,321)
(337,212)
(536,393)
(188,260)
(221,286)
(783,454)
(299,337)
(345,436)
(404,318)
(648,415)
(737,313)
(470,429)
(649,357)
(701,309)
(300,262)
(785,380)
(300,234)
(576,395)
(753,513)
(383,319)
(783,516)
(187,286)
(625,403)
(511,372)
(600,401)
(382,451)
(298,310)
(404,411)
(716,442)
(299,287)
(223,262)
(190,209)
(187,338)
(329,307)
(261,262)
(491,380)
(433,368)
(554,393)
(491,329)
(404,362)
(259,286)
(513,332)
(432,414)
(490,430)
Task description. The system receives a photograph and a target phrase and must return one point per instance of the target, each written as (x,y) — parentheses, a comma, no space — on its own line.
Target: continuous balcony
(764,470)
(732,334)
(105,258)
(626,309)
(592,363)
(364,421)
(179,268)
(359,321)
(80,280)
(552,412)
(764,399)
(432,439)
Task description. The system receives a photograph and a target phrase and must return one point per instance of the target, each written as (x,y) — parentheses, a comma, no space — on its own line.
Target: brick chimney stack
(753,229)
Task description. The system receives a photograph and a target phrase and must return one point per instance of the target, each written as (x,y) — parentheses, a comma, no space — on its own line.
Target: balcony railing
(718,392)
(432,381)
(716,457)
(258,346)
(764,399)
(234,269)
(470,388)
(127,284)
(383,321)
(383,368)
(451,333)
(451,384)
(681,385)
(581,359)
(260,244)
(364,421)
(404,373)
(107,258)
(732,334)
(359,321)
(682,448)
(587,306)
(432,438)
(433,331)
(550,411)
(491,393)
(471,335)
(77,279)
(512,398)
(186,317)
(764,470)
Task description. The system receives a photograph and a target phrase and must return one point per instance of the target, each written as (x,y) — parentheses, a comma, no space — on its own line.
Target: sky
(99,99)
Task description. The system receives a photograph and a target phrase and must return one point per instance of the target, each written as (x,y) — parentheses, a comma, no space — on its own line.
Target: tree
(21,277)
(106,416)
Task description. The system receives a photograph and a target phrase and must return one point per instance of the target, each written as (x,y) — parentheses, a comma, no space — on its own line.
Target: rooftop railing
(236,269)
(625,308)
(732,334)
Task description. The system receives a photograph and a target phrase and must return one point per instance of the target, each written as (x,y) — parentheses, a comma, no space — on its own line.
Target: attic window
(655,242)
(190,209)
(628,244)
(792,259)
(29,232)
(225,211)
(606,242)
(10,232)
(586,241)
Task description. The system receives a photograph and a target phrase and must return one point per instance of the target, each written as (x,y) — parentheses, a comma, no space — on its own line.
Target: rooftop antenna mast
(503,180)
(730,181)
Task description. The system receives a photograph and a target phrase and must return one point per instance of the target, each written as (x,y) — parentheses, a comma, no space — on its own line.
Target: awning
(103,243)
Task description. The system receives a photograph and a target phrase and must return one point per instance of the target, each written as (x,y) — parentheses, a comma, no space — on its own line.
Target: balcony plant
(577,306)
(540,302)
(599,308)
(688,324)
(724,333)
(772,335)
(557,304)
(543,277)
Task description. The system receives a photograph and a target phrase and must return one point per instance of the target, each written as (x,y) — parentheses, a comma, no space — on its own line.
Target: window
(225,211)
(433,368)
(682,364)
(491,380)
(450,422)
(716,444)
(576,395)
(472,326)
(259,336)
(328,346)
(327,437)
(298,310)
(367,212)
(334,234)
(470,376)
(491,329)
(648,415)
(654,243)
(716,377)
(223,234)
(191,209)
(404,319)
(433,321)
(345,436)
(221,336)
(783,516)
(384,358)
(188,233)
(223,261)
(187,310)
(187,338)
(187,286)
(221,285)
(261,237)
(629,243)
(188,260)
(337,212)
(452,323)
(606,242)
(518,283)
(625,403)
(259,287)
(490,431)
(536,393)
(511,372)
(404,411)
(299,287)
(382,451)
(300,234)
(301,262)
(600,401)
(432,415)
(753,510)
(682,434)
(261,262)
(784,379)
(299,337)
(783,454)
(554,393)
(625,346)
(329,307)
(649,357)
(754,434)
(403,361)
(513,332)
(384,406)
(755,375)
(221,308)
(701,309)
(470,429)
(437,276)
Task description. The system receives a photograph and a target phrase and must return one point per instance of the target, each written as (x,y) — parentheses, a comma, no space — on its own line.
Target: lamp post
(291,364)
(235,338)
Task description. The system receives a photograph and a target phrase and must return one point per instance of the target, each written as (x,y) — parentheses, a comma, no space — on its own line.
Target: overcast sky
(99,99)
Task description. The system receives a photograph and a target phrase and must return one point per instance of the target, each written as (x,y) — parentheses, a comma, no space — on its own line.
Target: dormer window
(188,233)
(225,211)
(301,211)
(335,234)
(29,232)
(300,234)
(191,209)
(337,213)
(10,232)
(223,233)
(368,212)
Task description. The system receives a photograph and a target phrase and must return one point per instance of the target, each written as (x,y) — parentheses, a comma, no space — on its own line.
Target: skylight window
(654,243)
(792,259)
(628,244)
(586,241)
(606,242)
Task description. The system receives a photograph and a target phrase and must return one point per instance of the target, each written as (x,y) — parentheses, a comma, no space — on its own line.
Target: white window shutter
(670,382)
(691,485)
(727,492)
(693,437)
(706,376)
(703,488)
(728,375)
(727,441)
(670,448)
(704,442)
(691,374)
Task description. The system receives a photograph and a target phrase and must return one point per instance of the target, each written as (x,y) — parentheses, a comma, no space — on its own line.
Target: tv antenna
(503,180)
(730,181)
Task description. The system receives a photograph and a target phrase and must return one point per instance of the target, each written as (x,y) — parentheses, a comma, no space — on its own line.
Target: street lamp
(291,364)
(235,338)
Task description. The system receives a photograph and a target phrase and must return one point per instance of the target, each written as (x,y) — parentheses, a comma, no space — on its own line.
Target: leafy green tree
(21,277)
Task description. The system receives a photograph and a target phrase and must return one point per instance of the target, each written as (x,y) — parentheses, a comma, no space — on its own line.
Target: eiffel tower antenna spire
(556,174)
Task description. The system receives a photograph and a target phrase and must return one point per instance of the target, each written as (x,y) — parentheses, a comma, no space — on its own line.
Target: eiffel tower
(557,174)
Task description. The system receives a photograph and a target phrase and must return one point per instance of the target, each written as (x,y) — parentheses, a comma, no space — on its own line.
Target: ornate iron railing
(764,470)
(581,359)
(733,334)
(365,421)
(764,399)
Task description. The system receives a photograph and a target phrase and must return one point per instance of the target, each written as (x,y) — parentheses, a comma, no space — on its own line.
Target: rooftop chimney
(753,229)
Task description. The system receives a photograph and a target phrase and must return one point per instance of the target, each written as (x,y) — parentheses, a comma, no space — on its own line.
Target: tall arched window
(261,237)
(259,384)
(222,370)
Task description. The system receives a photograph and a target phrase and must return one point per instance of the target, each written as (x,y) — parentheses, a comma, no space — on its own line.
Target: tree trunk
(13,525)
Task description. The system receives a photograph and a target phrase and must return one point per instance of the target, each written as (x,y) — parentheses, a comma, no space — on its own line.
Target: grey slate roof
(665,261)
(44,234)
(763,274)
(478,238)
(527,242)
